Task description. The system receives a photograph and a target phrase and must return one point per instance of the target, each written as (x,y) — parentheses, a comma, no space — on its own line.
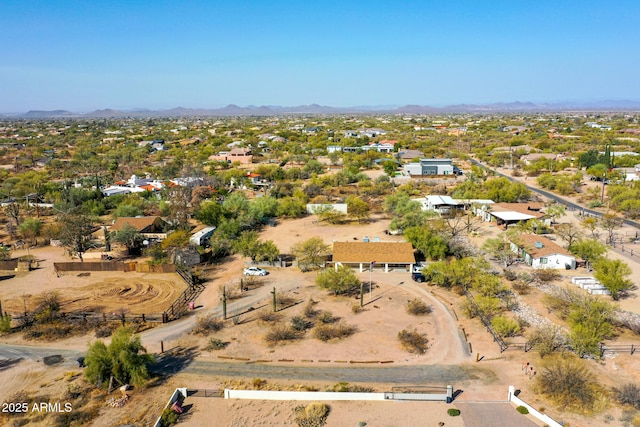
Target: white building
(540,252)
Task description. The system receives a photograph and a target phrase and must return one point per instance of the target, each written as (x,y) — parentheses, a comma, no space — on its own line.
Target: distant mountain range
(235,110)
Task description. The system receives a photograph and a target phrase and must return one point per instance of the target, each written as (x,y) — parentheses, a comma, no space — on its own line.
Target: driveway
(494,414)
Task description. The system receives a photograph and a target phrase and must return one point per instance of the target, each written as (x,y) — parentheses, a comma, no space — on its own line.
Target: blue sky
(84,55)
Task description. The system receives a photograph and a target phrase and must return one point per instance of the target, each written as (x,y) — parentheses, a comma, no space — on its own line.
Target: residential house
(429,167)
(364,255)
(540,252)
(241,155)
(151,227)
(534,157)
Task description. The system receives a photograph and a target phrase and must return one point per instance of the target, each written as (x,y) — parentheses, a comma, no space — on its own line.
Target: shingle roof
(139,223)
(380,252)
(528,242)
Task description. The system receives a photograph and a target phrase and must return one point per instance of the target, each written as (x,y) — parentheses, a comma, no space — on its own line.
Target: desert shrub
(556,304)
(345,387)
(328,332)
(523,410)
(309,310)
(569,384)
(488,306)
(326,317)
(313,415)
(5,323)
(413,341)
(417,307)
(505,327)
(453,412)
(628,394)
(509,274)
(216,344)
(105,329)
(207,323)
(269,316)
(280,333)
(299,323)
(547,339)
(545,275)
(51,331)
(168,417)
(521,287)
(258,383)
(356,308)
(284,300)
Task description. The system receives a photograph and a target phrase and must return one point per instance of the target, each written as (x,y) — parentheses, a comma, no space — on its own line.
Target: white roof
(512,216)
(441,200)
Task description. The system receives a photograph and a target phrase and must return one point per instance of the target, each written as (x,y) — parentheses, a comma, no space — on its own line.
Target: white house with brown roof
(366,255)
(540,252)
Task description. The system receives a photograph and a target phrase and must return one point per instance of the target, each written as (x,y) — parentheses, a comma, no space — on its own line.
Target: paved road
(408,374)
(553,196)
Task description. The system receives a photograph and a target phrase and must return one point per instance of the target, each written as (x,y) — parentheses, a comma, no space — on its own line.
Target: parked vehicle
(255,271)
(418,277)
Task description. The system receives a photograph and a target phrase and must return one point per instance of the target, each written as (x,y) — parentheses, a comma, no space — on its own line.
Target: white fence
(175,396)
(539,415)
(332,395)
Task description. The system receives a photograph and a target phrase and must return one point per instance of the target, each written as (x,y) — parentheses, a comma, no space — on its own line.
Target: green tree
(210,212)
(357,208)
(499,248)
(589,250)
(340,281)
(31,229)
(390,167)
(311,253)
(247,244)
(124,358)
(426,241)
(130,238)
(267,251)
(75,233)
(613,274)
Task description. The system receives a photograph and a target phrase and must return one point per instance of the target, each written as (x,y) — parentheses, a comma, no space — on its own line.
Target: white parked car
(255,271)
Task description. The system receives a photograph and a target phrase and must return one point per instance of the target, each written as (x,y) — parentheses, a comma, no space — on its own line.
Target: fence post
(224,303)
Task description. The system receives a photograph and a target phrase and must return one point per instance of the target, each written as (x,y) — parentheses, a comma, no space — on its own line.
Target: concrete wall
(331,395)
(542,417)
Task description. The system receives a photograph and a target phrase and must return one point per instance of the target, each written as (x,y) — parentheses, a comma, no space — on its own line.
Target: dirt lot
(98,292)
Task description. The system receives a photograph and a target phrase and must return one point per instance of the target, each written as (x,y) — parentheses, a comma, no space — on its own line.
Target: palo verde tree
(614,275)
(312,253)
(124,359)
(340,281)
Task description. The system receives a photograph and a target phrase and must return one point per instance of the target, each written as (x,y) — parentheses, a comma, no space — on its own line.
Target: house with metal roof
(364,255)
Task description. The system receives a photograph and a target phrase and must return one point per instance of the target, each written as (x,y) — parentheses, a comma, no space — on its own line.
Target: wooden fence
(64,267)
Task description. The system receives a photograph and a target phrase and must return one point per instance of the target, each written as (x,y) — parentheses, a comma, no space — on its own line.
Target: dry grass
(413,341)
(207,323)
(418,307)
(281,333)
(328,332)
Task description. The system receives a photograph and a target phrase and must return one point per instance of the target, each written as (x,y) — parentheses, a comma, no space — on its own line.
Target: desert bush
(104,330)
(313,415)
(556,304)
(268,316)
(168,417)
(547,339)
(569,384)
(207,323)
(309,310)
(284,300)
(345,387)
(628,394)
(356,308)
(5,323)
(505,327)
(326,317)
(301,324)
(453,412)
(51,331)
(280,333)
(545,275)
(413,341)
(216,344)
(417,307)
(510,275)
(522,409)
(521,287)
(326,332)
